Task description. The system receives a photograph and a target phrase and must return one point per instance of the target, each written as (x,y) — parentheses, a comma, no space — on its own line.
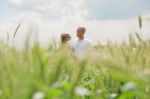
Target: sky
(47,19)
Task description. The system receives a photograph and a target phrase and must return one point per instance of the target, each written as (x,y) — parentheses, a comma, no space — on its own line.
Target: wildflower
(56,85)
(38,95)
(80,91)
(128,86)
(113,96)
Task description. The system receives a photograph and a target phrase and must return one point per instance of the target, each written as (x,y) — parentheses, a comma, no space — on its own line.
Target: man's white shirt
(80,47)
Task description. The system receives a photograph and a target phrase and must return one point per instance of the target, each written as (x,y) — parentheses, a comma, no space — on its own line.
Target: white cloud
(16,2)
(49,18)
(53,9)
(19,3)
(115,30)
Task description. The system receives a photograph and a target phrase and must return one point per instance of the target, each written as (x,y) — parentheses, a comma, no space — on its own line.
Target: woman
(65,39)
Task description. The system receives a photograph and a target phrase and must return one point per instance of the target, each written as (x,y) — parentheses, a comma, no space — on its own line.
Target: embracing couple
(80,45)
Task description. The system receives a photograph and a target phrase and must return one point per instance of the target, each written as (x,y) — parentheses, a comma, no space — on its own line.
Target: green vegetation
(57,75)
(109,72)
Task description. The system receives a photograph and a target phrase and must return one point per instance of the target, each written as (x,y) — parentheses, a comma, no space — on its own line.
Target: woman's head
(65,37)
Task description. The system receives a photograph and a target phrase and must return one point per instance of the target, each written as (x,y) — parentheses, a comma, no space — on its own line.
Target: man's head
(80,32)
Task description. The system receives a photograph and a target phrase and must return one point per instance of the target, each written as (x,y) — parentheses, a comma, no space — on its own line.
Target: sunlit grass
(54,73)
(112,71)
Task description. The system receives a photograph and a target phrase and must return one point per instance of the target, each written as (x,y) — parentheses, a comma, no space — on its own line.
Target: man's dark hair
(82,29)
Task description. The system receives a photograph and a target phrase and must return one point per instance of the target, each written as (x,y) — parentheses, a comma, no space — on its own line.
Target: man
(81,44)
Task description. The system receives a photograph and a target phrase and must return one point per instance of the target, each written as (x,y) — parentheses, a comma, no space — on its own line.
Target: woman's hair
(65,37)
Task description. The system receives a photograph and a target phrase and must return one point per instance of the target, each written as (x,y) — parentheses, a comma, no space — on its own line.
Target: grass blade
(138,37)
(140,21)
(16,30)
(7,37)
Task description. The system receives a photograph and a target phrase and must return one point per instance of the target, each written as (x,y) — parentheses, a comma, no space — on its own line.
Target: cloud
(49,18)
(21,3)
(90,9)
(116,9)
(15,2)
(53,9)
(45,30)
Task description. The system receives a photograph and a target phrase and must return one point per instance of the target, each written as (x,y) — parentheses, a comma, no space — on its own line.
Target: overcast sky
(104,19)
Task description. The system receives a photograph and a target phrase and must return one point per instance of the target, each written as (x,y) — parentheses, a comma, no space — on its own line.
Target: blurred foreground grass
(109,72)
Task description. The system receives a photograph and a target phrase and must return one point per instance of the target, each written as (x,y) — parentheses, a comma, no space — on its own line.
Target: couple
(80,45)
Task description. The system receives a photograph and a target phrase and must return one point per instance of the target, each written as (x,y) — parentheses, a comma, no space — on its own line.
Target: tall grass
(55,73)
(109,72)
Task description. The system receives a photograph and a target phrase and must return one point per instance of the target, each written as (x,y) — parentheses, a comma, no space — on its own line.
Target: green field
(112,71)
(109,72)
